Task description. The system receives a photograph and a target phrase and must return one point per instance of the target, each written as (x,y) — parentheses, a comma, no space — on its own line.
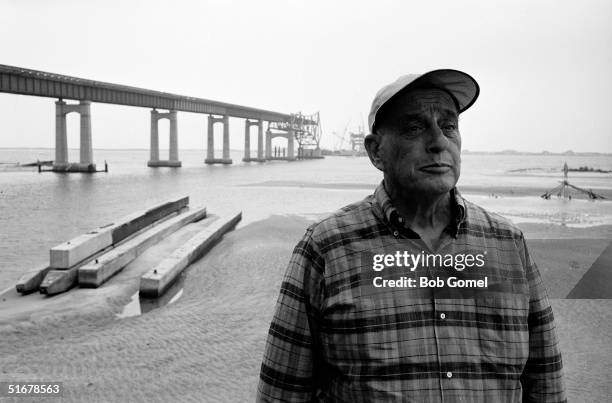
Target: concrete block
(96,272)
(76,250)
(60,280)
(31,280)
(57,281)
(157,280)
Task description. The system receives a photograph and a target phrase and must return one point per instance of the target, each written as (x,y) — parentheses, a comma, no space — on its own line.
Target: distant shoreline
(568,153)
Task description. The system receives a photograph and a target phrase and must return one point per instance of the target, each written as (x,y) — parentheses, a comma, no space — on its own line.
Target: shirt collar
(390,212)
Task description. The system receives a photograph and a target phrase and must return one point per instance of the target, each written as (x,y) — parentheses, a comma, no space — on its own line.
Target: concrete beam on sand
(58,281)
(31,280)
(68,254)
(98,271)
(157,280)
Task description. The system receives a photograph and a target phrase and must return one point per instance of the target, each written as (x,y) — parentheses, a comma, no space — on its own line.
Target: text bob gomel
(425,282)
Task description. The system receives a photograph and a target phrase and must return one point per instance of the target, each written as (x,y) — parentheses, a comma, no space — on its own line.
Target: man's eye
(412,129)
(449,126)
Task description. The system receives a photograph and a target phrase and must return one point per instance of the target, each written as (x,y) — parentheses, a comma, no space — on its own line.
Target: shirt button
(449,374)
(442,316)
(395,233)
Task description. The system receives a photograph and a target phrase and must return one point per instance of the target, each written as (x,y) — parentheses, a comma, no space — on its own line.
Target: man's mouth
(436,168)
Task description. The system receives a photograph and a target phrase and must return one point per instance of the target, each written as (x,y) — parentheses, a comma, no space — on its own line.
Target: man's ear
(372,145)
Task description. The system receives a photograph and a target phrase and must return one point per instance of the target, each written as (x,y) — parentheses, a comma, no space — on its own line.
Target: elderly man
(340,333)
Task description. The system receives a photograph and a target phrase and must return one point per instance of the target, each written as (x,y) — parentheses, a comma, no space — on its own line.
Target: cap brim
(461,86)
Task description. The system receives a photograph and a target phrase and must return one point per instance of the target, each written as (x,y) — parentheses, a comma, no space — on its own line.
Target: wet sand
(499,191)
(207,346)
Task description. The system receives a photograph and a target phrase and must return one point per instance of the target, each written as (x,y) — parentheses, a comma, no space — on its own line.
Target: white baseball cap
(460,86)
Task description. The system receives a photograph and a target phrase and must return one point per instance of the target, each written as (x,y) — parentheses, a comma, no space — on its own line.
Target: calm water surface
(38,211)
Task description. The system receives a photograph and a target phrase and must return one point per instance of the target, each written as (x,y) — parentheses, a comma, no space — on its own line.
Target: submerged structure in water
(564,189)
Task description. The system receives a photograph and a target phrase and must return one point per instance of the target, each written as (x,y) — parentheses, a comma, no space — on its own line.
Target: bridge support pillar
(268,144)
(173,160)
(260,141)
(86,151)
(154,152)
(61,163)
(247,140)
(210,147)
(174,139)
(226,139)
(210,150)
(290,145)
(61,139)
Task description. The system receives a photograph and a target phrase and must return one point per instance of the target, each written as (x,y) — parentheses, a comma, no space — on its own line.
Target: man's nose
(436,140)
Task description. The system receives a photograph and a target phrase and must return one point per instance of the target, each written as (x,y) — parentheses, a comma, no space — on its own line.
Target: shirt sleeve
(542,378)
(287,368)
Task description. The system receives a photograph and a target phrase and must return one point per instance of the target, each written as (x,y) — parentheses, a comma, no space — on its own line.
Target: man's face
(417,144)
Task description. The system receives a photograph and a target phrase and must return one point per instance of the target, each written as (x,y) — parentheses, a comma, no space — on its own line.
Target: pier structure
(61,163)
(172,160)
(305,130)
(287,134)
(248,123)
(210,148)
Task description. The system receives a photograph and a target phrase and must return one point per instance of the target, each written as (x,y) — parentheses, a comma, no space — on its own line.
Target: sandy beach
(207,346)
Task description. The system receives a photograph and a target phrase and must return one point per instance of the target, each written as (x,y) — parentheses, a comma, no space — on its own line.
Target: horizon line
(467,151)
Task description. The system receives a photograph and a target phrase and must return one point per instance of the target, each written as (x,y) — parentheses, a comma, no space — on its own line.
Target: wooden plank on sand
(157,280)
(96,272)
(69,253)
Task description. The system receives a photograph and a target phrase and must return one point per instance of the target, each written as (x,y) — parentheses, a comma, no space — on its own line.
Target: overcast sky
(544,67)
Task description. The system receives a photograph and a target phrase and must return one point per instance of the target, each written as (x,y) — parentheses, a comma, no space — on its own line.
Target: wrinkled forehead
(425,99)
(415,102)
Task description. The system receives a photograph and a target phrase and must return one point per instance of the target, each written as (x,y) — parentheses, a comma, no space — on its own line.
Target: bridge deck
(17,80)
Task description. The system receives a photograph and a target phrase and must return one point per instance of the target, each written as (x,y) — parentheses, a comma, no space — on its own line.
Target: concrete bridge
(294,127)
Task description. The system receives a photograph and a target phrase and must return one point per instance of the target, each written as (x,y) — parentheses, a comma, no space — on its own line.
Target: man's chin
(433,187)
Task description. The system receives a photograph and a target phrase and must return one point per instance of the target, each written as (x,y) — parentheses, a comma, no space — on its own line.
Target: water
(139,305)
(38,211)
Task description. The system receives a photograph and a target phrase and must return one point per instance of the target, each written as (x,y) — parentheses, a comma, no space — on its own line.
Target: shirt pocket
(503,331)
(378,332)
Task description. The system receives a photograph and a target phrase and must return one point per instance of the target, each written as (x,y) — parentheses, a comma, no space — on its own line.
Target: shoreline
(500,191)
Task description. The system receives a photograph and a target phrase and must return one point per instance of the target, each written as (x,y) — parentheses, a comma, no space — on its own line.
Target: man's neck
(427,215)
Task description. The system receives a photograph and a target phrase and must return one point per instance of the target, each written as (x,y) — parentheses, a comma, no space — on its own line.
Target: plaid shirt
(331,341)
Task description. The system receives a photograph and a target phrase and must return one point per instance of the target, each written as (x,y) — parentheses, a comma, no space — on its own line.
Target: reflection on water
(139,305)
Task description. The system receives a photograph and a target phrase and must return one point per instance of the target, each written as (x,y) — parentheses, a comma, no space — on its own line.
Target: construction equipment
(563,190)
(306,130)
